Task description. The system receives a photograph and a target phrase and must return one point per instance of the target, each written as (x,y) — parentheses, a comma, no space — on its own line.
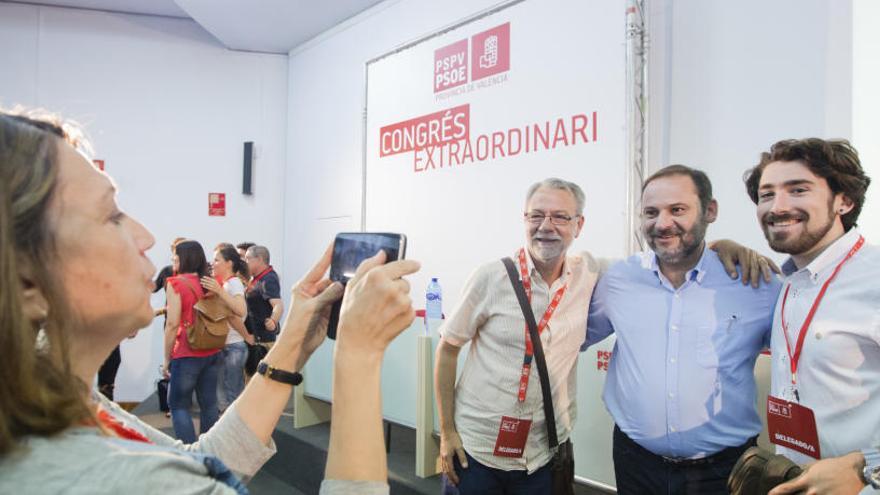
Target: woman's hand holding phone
(376,306)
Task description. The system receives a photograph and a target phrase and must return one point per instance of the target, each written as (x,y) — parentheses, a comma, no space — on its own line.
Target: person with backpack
(189,369)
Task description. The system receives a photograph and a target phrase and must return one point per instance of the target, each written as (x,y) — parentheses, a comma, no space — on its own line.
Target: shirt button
(671,395)
(674,327)
(672,360)
(672,429)
(677,295)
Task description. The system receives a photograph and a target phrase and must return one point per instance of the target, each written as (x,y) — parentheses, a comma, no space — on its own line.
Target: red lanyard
(119,429)
(554,303)
(796,356)
(258,277)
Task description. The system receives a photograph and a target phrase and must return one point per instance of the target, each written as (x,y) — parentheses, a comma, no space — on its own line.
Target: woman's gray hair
(555,183)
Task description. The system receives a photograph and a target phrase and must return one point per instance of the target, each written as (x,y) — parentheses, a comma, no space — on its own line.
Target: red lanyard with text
(554,303)
(257,278)
(796,356)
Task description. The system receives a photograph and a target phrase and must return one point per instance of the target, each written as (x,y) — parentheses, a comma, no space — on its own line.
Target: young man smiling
(825,372)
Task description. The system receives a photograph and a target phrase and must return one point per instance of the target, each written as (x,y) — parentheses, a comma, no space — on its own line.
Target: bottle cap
(433,279)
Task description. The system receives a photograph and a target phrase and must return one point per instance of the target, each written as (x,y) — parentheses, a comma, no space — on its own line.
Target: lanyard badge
(512,436)
(792,425)
(545,319)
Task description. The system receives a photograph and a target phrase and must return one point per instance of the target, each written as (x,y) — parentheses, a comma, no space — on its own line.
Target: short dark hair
(698,177)
(244,245)
(261,252)
(192,258)
(835,160)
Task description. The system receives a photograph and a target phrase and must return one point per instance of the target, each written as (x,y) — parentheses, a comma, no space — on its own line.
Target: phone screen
(350,249)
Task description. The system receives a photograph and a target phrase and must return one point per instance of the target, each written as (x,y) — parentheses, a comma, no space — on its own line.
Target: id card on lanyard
(789,423)
(513,431)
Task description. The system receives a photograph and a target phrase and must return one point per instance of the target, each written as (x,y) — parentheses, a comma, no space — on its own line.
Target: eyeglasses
(537,218)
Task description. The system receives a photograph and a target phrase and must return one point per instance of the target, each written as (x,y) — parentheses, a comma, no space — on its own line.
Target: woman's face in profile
(105,273)
(222,268)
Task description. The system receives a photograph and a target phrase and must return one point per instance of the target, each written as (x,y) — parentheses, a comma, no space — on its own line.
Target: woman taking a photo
(62,312)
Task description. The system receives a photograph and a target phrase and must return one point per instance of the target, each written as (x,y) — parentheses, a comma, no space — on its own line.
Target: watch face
(872,475)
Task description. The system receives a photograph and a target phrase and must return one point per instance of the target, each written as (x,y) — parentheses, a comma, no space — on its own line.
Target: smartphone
(349,250)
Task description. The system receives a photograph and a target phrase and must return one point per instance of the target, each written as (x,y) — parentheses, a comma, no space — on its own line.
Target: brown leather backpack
(209,328)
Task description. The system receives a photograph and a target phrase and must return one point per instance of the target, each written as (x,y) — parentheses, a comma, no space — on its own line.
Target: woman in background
(189,369)
(228,271)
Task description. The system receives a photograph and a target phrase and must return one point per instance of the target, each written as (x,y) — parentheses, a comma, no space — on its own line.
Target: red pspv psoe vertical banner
(217,204)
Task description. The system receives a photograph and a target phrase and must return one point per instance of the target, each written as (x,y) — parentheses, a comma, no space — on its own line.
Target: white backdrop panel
(566,75)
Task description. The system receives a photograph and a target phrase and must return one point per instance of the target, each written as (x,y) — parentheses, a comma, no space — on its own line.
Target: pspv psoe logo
(489,55)
(779,409)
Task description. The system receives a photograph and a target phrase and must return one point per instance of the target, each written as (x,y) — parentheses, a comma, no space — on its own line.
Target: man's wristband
(272,373)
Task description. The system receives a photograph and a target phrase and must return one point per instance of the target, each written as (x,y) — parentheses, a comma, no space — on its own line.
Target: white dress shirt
(839,369)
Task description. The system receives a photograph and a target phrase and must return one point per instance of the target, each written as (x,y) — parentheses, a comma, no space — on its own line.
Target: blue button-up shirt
(681,378)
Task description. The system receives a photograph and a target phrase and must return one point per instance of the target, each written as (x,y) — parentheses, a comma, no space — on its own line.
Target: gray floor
(302,454)
(264,483)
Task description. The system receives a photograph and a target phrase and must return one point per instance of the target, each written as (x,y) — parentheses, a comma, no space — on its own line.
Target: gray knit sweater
(81,460)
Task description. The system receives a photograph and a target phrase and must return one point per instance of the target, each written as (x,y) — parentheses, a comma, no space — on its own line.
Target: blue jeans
(479,479)
(231,381)
(188,374)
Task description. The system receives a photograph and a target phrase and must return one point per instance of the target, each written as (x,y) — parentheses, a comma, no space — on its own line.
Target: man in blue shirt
(680,384)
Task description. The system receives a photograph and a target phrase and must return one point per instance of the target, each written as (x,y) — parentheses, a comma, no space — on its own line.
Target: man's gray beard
(543,254)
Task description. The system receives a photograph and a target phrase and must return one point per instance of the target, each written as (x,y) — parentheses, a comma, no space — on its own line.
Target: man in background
(243,247)
(263,297)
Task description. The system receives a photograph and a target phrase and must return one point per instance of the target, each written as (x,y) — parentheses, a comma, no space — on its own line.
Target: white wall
(866,106)
(727,80)
(731,78)
(325,131)
(168,108)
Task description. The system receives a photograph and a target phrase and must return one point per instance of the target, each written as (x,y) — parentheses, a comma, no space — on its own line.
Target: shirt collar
(827,258)
(698,272)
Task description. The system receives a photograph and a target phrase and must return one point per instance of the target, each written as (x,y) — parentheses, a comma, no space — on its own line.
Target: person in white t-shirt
(229,269)
(825,344)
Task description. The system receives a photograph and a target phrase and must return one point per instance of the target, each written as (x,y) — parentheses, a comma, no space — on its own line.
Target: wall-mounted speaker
(247,167)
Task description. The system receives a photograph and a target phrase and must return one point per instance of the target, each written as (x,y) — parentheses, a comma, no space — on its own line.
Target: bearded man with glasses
(498,380)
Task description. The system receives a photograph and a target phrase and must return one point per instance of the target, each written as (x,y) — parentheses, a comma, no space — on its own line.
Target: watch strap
(291,378)
(871,472)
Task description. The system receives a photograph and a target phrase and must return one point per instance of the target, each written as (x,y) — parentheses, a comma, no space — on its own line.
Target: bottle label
(433,297)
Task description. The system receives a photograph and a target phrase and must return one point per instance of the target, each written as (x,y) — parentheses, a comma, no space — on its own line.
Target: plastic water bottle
(433,303)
